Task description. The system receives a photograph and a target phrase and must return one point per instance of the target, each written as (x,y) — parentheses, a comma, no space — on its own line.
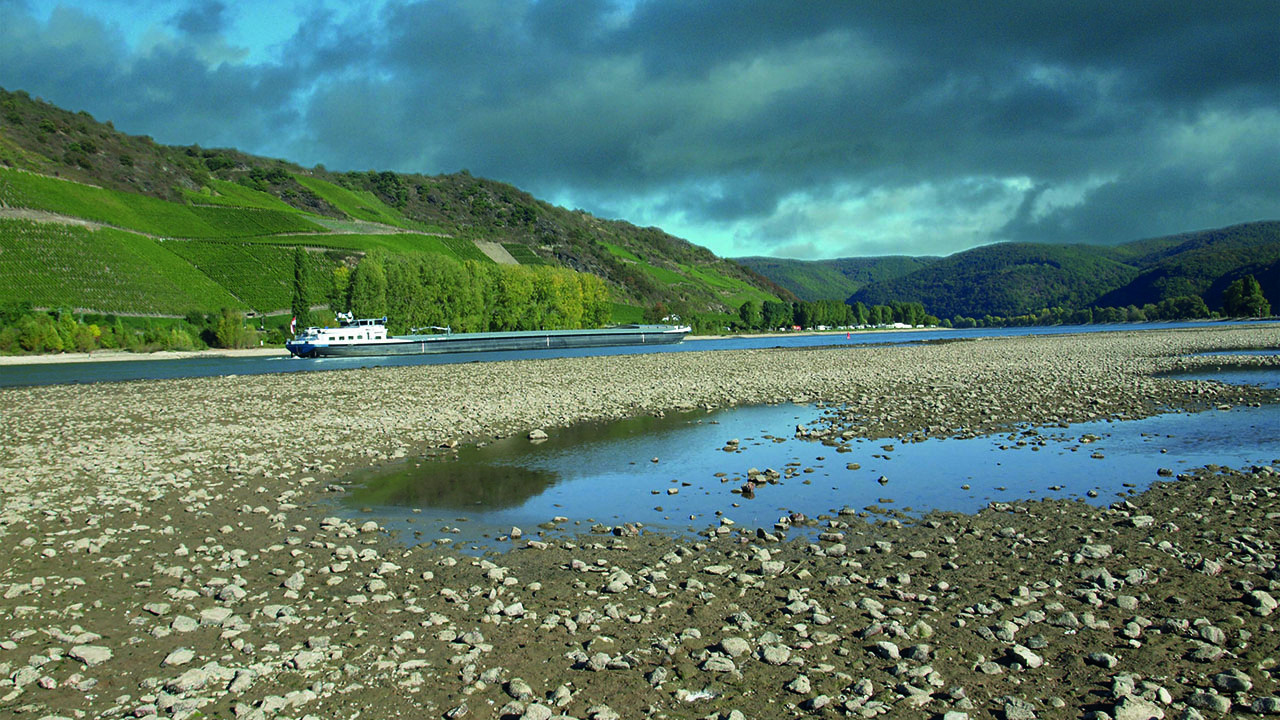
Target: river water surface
(678,473)
(115,371)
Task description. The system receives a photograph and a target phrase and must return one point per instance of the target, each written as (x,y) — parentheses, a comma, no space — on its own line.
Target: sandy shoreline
(170,550)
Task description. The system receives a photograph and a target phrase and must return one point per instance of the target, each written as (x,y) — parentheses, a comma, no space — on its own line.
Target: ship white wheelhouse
(350,332)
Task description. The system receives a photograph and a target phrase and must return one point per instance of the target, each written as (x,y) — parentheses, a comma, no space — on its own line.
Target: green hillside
(832,279)
(1203,263)
(105,270)
(145,214)
(1009,279)
(1005,279)
(260,275)
(69,164)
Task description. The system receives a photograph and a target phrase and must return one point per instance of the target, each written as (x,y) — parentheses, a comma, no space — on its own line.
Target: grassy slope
(54,265)
(141,213)
(231,263)
(359,205)
(221,192)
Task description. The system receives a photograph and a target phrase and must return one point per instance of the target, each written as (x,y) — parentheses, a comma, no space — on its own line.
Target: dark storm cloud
(202,19)
(828,128)
(169,91)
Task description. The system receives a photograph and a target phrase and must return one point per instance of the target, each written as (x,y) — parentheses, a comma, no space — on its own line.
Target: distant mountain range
(833,279)
(1010,279)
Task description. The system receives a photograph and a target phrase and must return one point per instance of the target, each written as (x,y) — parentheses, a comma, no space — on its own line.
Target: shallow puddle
(679,473)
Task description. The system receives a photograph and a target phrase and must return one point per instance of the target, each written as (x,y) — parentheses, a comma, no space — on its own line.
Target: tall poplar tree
(301,306)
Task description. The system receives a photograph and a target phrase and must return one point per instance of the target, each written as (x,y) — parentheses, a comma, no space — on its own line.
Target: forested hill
(833,279)
(1005,279)
(456,214)
(1011,279)
(1204,264)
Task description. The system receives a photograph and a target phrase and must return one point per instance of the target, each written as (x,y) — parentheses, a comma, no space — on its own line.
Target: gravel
(168,552)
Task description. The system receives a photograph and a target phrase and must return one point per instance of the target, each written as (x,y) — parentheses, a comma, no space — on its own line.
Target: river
(116,371)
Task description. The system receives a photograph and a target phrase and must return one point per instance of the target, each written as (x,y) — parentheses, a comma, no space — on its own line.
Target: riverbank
(125,355)
(170,550)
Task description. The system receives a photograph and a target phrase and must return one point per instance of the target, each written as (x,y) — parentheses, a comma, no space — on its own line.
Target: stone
(179,656)
(1098,551)
(1018,709)
(1213,634)
(1135,708)
(1024,655)
(215,616)
(775,654)
(815,704)
(305,659)
(191,680)
(537,711)
(1266,706)
(537,434)
(184,624)
(718,663)
(885,649)
(1233,681)
(520,690)
(90,654)
(1101,659)
(1261,601)
(1212,702)
(800,686)
(735,646)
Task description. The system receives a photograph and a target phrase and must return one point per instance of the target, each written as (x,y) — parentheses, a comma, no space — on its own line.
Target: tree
(859,314)
(596,309)
(656,313)
(1183,307)
(775,314)
(340,288)
(749,313)
(369,288)
(300,305)
(230,332)
(1244,298)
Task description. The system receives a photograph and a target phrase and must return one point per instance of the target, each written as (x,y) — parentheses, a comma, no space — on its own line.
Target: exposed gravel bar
(166,552)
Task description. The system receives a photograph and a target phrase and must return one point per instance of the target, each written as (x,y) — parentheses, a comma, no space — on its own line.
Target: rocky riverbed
(168,552)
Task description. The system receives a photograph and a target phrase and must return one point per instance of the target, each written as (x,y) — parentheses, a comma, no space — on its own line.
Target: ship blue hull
(488,342)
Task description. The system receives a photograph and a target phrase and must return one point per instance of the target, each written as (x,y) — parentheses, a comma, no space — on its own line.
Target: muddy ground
(168,552)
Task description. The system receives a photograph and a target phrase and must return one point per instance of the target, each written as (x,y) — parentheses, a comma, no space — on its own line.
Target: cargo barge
(369,337)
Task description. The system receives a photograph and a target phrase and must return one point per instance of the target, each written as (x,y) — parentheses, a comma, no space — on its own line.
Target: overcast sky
(794,129)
